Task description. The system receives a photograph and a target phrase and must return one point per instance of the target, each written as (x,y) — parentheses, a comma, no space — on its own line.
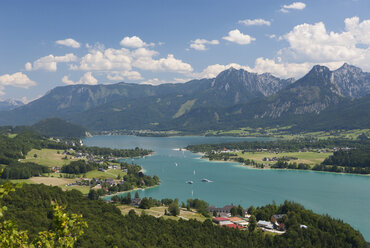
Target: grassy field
(47,157)
(310,158)
(54,181)
(12,135)
(283,133)
(159,212)
(21,181)
(84,189)
(112,173)
(51,158)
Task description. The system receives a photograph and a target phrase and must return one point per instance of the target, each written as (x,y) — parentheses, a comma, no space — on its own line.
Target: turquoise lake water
(346,197)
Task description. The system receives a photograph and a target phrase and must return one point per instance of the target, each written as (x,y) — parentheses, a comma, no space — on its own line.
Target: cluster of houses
(274,225)
(273,159)
(97,183)
(277,151)
(225,219)
(232,222)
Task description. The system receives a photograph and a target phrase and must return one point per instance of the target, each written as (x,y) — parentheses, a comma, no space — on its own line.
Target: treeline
(56,127)
(351,158)
(30,207)
(51,127)
(23,170)
(280,145)
(79,167)
(124,153)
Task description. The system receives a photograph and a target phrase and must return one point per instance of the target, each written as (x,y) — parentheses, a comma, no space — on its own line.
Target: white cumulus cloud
(121,75)
(212,71)
(236,36)
(156,81)
(69,43)
(134,42)
(293,6)
(200,44)
(169,64)
(106,60)
(313,43)
(49,63)
(123,60)
(87,78)
(17,79)
(255,22)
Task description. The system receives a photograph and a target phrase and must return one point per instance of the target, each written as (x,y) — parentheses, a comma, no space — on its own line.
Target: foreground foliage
(30,207)
(66,230)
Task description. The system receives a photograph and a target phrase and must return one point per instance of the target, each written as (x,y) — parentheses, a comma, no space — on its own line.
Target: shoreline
(282,169)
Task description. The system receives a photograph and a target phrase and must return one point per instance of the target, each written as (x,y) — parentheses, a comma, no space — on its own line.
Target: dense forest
(106,152)
(23,170)
(56,127)
(79,167)
(352,158)
(30,206)
(51,127)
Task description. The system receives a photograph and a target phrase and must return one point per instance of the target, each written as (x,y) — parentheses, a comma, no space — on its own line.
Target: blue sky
(44,44)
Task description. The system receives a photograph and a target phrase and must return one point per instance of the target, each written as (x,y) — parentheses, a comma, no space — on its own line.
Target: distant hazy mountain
(235,98)
(10,104)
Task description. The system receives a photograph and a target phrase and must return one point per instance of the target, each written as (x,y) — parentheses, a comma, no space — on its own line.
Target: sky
(45,44)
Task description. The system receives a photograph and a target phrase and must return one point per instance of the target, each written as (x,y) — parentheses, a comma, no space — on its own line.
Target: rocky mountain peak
(346,68)
(247,84)
(352,81)
(319,69)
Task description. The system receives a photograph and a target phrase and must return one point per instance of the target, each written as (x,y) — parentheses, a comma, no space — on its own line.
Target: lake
(346,197)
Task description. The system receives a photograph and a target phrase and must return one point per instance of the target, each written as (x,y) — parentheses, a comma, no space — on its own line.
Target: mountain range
(235,98)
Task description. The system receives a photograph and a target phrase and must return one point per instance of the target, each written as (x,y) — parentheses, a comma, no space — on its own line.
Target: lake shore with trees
(331,155)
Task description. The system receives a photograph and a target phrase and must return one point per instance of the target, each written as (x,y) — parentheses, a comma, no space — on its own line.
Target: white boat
(189,182)
(206,180)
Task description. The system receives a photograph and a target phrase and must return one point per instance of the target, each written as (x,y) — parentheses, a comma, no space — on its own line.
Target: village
(225,218)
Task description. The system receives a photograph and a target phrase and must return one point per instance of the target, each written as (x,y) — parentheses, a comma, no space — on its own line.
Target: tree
(174,209)
(214,213)
(234,211)
(145,203)
(137,195)
(93,195)
(252,223)
(67,229)
(240,211)
(251,210)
